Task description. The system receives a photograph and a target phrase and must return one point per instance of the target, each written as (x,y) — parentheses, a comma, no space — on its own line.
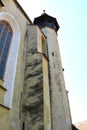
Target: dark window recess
(52,53)
(5,41)
(23,126)
(46,49)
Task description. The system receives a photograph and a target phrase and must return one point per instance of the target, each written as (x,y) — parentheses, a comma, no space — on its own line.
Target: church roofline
(17,3)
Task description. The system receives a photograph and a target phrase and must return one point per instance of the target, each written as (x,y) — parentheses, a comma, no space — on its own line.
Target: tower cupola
(46,20)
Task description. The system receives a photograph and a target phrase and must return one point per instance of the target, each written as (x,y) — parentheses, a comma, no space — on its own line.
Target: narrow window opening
(52,53)
(44,47)
(23,126)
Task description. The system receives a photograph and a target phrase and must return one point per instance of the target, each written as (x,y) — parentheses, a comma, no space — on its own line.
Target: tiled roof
(82,125)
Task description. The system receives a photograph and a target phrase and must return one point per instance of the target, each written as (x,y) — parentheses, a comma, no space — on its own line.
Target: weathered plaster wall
(33,112)
(9,118)
(47,111)
(31,86)
(36,103)
(58,92)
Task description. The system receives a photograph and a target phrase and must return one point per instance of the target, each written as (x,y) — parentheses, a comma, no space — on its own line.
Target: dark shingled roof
(45,17)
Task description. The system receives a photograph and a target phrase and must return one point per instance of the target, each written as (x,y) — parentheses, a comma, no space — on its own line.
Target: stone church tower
(32,88)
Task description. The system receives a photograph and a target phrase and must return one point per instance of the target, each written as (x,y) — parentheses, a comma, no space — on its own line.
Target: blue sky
(72,37)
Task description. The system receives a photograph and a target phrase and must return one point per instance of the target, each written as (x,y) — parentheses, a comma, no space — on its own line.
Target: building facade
(32,89)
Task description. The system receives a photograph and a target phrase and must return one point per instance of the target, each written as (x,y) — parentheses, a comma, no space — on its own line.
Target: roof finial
(43,11)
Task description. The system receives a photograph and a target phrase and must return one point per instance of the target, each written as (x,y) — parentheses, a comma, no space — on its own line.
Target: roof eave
(22,11)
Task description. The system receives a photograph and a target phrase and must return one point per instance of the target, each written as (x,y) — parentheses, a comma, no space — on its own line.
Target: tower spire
(44,11)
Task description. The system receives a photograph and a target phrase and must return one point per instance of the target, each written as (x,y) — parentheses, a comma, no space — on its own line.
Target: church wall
(59,105)
(36,103)
(9,111)
(25,90)
(47,111)
(33,85)
(41,48)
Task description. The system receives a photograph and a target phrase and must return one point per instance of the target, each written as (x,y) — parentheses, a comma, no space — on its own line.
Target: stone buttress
(36,101)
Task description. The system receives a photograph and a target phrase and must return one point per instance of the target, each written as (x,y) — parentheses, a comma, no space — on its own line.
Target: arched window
(5,42)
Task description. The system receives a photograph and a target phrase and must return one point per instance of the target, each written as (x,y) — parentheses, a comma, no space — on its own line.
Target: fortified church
(32,89)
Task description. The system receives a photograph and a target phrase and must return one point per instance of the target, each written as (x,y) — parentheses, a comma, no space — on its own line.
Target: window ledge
(4,106)
(1,85)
